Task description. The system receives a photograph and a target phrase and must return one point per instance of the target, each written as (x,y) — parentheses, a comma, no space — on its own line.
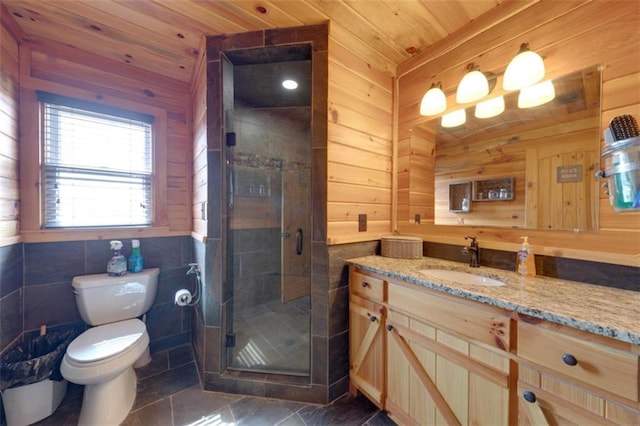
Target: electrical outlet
(417,219)
(362,222)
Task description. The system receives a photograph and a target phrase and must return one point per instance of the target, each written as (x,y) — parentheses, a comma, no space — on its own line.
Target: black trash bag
(35,360)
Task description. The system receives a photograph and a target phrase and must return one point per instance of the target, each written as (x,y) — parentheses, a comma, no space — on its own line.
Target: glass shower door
(269,240)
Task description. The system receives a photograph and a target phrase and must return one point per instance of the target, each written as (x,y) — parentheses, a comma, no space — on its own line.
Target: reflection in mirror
(541,159)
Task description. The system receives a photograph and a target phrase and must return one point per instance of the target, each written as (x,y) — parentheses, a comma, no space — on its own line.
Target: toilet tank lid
(98,280)
(106,340)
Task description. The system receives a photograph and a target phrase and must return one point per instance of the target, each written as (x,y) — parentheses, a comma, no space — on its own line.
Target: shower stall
(268,159)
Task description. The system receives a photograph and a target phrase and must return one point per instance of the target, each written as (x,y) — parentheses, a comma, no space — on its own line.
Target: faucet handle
(469,237)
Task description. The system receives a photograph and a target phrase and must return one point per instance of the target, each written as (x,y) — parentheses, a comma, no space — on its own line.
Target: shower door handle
(299,241)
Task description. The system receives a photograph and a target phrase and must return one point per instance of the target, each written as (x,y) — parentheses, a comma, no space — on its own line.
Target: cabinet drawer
(367,286)
(470,319)
(604,367)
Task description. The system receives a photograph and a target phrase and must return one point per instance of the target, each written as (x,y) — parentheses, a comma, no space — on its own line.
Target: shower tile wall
(35,284)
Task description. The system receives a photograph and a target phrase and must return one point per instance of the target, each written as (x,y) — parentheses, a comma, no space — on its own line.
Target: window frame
(31,197)
(53,106)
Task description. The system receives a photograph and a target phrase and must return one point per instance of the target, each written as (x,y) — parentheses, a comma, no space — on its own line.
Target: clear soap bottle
(526,264)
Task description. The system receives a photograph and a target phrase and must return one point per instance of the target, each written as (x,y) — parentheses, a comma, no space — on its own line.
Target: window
(97,164)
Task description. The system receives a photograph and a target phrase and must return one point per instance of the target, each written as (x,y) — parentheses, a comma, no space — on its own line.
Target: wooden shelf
(499,189)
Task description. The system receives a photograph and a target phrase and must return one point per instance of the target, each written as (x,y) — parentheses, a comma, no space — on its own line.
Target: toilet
(103,357)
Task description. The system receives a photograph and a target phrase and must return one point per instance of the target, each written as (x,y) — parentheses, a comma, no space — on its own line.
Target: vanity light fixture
(454,119)
(434,101)
(473,86)
(525,69)
(490,108)
(290,84)
(536,95)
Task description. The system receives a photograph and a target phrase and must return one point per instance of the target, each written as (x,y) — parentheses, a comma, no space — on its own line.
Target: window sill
(55,235)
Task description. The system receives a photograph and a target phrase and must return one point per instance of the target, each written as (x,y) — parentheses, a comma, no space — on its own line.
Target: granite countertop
(597,309)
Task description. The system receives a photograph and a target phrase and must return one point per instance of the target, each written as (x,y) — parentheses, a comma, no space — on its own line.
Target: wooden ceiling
(164,36)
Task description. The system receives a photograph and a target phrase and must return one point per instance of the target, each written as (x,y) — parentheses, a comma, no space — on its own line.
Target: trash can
(31,385)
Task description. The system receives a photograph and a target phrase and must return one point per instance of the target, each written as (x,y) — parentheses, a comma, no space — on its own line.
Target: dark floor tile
(262,411)
(163,385)
(292,420)
(345,411)
(156,414)
(180,356)
(380,419)
(194,406)
(158,364)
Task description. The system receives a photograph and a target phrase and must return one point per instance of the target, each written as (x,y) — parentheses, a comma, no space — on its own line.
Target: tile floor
(170,393)
(273,336)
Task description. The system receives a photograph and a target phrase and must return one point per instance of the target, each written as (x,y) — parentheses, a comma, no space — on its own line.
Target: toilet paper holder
(183,297)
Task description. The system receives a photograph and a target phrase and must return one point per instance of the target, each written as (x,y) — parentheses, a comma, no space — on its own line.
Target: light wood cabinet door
(435,377)
(544,399)
(366,348)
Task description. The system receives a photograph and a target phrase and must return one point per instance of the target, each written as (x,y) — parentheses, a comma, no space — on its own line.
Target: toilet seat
(105,341)
(104,351)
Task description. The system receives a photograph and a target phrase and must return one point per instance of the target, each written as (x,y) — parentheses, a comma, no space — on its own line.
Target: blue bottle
(117,265)
(136,261)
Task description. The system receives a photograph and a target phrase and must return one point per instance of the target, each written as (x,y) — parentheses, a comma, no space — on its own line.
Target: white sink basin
(462,277)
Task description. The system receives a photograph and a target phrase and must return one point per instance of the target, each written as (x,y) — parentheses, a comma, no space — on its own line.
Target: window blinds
(97,168)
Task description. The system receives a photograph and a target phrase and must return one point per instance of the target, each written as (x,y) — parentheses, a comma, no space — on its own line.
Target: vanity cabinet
(367,356)
(447,359)
(572,377)
(429,357)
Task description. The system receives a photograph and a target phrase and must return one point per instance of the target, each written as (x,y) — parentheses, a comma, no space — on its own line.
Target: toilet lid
(105,341)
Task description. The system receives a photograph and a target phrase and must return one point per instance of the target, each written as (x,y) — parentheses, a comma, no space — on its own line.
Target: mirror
(529,168)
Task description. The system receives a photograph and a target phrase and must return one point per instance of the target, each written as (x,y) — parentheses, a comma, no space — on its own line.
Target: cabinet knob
(389,327)
(373,318)
(364,284)
(529,396)
(569,360)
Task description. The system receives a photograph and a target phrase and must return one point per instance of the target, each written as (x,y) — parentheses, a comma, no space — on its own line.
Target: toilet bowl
(102,359)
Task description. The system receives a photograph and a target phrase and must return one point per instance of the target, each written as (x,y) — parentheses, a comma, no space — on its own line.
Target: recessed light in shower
(290,84)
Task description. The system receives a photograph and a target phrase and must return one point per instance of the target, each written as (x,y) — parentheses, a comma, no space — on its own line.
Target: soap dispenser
(525,261)
(117,265)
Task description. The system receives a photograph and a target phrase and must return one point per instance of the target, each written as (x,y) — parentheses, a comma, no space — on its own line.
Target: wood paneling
(359,144)
(9,145)
(570,36)
(60,69)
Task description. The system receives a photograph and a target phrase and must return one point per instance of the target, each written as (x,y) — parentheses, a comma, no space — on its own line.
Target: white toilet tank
(102,299)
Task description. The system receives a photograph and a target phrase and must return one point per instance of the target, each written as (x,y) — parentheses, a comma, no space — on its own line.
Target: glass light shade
(290,84)
(525,69)
(490,108)
(536,95)
(433,102)
(454,119)
(473,86)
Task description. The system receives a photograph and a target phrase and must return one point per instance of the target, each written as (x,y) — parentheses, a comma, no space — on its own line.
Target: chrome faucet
(473,251)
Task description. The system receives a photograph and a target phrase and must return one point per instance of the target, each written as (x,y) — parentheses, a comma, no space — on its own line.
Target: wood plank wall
(56,67)
(360,134)
(199,131)
(571,36)
(9,152)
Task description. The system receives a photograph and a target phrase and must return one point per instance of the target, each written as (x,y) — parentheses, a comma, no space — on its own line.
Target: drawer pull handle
(569,360)
(529,396)
(365,284)
(389,327)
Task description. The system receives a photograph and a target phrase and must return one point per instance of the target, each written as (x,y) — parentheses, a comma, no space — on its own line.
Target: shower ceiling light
(290,84)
